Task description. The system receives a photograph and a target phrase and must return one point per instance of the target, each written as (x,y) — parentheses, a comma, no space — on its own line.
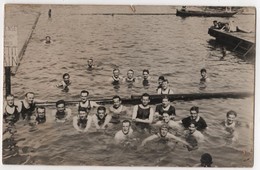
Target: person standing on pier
(143,113)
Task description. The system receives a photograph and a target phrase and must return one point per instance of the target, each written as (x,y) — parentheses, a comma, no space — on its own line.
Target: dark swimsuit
(143,114)
(41,119)
(27,113)
(13,118)
(101,121)
(60,115)
(82,123)
(86,108)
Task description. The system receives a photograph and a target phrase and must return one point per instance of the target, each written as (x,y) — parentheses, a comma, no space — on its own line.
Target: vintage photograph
(128,85)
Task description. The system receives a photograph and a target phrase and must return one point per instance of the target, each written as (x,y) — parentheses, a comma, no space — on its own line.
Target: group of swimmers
(142,118)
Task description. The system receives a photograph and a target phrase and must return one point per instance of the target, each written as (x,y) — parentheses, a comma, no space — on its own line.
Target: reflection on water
(166,45)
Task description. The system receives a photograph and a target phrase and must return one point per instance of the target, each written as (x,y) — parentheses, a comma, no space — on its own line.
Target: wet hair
(165,80)
(101,108)
(84,91)
(146,70)
(194,108)
(231,112)
(164,126)
(117,97)
(161,78)
(215,21)
(9,95)
(206,158)
(82,109)
(60,102)
(66,74)
(165,97)
(165,113)
(40,107)
(130,70)
(203,70)
(145,95)
(127,121)
(116,69)
(26,94)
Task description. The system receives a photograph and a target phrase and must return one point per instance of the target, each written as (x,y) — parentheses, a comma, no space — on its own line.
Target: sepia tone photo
(129,85)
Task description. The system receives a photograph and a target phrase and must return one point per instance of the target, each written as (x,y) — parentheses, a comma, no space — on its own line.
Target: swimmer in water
(204,77)
(61,113)
(205,161)
(85,103)
(40,116)
(90,64)
(194,117)
(163,135)
(11,111)
(101,119)
(49,13)
(47,40)
(223,52)
(160,81)
(143,113)
(146,78)
(65,83)
(231,124)
(27,106)
(192,131)
(116,79)
(130,77)
(165,89)
(166,119)
(82,121)
(125,133)
(117,110)
(165,106)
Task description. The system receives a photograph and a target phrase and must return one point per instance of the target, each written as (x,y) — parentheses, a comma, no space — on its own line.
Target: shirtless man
(82,121)
(85,103)
(47,40)
(146,77)
(130,79)
(205,161)
(11,113)
(160,81)
(116,78)
(166,119)
(101,119)
(195,133)
(164,136)
(65,83)
(165,106)
(27,106)
(143,113)
(61,113)
(165,89)
(40,116)
(125,133)
(204,77)
(117,109)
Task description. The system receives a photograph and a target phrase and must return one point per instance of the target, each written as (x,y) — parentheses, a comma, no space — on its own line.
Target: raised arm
(178,139)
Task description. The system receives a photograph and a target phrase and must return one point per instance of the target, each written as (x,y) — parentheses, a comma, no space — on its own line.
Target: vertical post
(7,80)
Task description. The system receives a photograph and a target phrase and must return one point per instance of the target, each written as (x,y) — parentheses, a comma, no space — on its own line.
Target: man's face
(165,85)
(165,102)
(164,132)
(10,100)
(166,117)
(145,100)
(41,112)
(30,98)
(160,81)
(82,114)
(231,118)
(203,74)
(126,127)
(130,74)
(116,102)
(90,62)
(193,115)
(192,128)
(61,107)
(101,114)
(145,74)
(84,97)
(116,73)
(66,79)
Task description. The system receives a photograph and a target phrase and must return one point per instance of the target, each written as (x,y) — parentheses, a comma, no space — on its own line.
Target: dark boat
(188,13)
(238,41)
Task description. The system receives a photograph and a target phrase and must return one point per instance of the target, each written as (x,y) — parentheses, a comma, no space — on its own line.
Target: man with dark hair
(101,119)
(116,79)
(146,77)
(65,83)
(160,81)
(205,161)
(40,116)
(165,89)
(204,77)
(82,121)
(27,106)
(194,118)
(165,106)
(85,103)
(117,109)
(61,113)
(125,133)
(143,113)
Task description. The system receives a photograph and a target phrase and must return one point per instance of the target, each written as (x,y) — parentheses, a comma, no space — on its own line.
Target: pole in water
(49,13)
(7,80)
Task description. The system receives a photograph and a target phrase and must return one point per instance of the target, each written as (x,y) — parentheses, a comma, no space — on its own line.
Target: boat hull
(188,13)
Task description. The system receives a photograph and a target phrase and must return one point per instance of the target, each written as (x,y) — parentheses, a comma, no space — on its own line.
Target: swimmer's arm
(94,119)
(68,114)
(108,118)
(148,139)
(75,123)
(178,139)
(134,112)
(118,138)
(94,104)
(151,115)
(159,91)
(88,124)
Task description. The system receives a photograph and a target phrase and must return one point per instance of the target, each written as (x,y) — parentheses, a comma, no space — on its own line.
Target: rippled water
(166,45)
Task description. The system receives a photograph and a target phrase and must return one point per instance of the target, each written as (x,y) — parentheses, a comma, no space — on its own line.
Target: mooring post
(7,80)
